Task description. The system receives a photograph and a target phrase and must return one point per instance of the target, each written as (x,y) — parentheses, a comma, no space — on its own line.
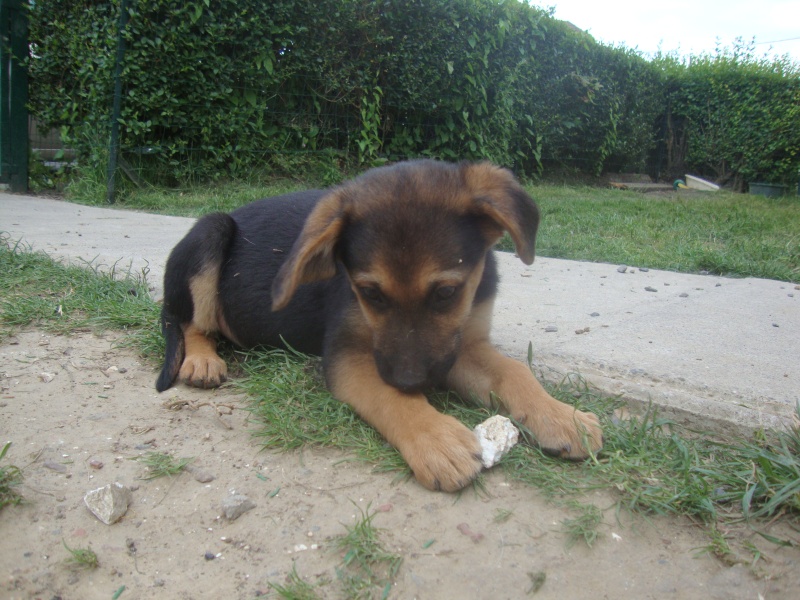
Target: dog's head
(412,239)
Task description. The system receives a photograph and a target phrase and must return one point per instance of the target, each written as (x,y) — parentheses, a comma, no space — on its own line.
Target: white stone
(497,435)
(109,502)
(236,505)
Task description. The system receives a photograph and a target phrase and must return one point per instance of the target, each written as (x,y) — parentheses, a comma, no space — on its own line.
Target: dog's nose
(405,375)
(409,382)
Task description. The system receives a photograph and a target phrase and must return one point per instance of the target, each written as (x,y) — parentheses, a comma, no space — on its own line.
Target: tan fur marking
(202,366)
(205,296)
(441,451)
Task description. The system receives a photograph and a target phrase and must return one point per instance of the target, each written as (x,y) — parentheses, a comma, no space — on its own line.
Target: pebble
(551,329)
(200,475)
(235,506)
(650,289)
(595,314)
(109,502)
(209,556)
(622,269)
(684,295)
(496,435)
(54,466)
(47,377)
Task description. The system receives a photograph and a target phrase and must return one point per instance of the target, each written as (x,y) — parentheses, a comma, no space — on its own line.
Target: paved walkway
(710,351)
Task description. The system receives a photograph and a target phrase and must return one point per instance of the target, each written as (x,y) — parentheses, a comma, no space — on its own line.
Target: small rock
(202,476)
(551,329)
(209,556)
(96,464)
(582,331)
(595,314)
(54,466)
(235,506)
(644,269)
(47,377)
(622,269)
(496,435)
(108,503)
(650,289)
(684,295)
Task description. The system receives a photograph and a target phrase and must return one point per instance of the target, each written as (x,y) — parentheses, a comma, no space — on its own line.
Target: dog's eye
(445,292)
(373,295)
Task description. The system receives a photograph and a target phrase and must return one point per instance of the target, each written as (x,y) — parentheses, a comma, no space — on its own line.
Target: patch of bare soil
(100,407)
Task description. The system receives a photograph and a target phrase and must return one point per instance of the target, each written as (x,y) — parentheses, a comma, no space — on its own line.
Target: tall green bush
(737,115)
(221,87)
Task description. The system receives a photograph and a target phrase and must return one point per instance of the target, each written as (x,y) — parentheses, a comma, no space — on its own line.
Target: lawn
(720,233)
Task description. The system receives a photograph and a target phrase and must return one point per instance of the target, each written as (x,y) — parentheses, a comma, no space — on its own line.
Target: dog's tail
(204,247)
(174,353)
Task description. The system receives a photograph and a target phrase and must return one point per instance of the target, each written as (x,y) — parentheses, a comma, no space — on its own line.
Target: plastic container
(770,190)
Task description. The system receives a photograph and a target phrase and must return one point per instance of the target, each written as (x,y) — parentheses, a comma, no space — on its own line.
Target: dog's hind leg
(191,314)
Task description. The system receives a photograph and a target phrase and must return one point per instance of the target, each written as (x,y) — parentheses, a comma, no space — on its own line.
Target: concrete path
(712,352)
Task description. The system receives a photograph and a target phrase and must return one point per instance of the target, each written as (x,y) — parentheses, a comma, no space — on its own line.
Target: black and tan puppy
(391,278)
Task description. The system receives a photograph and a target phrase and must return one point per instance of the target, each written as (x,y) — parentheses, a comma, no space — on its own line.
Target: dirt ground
(101,407)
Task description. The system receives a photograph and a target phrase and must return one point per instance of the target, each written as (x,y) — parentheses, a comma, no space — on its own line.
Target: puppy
(391,278)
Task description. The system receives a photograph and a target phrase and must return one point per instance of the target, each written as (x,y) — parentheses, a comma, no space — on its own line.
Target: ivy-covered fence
(220,88)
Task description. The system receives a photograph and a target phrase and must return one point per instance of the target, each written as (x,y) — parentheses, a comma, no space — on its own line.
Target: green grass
(10,480)
(295,589)
(81,558)
(366,564)
(39,291)
(160,464)
(722,233)
(649,464)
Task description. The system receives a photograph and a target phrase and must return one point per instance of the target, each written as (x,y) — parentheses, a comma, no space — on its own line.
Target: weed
(160,464)
(366,564)
(81,558)
(10,479)
(537,581)
(583,527)
(501,515)
(295,588)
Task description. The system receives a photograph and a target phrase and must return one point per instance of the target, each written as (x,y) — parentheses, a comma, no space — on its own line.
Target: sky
(689,27)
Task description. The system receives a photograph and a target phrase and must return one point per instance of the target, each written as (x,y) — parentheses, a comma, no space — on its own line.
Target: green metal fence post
(14,95)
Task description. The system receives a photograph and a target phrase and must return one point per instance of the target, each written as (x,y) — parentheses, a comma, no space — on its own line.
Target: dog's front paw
(563,431)
(204,371)
(446,456)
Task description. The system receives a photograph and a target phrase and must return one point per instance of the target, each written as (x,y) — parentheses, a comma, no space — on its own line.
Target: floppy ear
(499,196)
(312,256)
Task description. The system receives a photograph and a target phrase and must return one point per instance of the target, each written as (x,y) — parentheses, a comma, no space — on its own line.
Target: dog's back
(265,233)
(220,275)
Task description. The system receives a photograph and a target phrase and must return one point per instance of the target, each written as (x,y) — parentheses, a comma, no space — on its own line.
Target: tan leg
(441,451)
(482,372)
(202,366)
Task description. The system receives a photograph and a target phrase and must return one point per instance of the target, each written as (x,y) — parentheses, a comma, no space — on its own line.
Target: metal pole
(113,150)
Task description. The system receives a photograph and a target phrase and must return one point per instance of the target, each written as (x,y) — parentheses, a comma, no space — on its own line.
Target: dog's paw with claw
(203,371)
(564,431)
(446,457)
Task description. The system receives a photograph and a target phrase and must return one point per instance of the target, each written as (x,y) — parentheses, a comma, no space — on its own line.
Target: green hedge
(219,88)
(734,117)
